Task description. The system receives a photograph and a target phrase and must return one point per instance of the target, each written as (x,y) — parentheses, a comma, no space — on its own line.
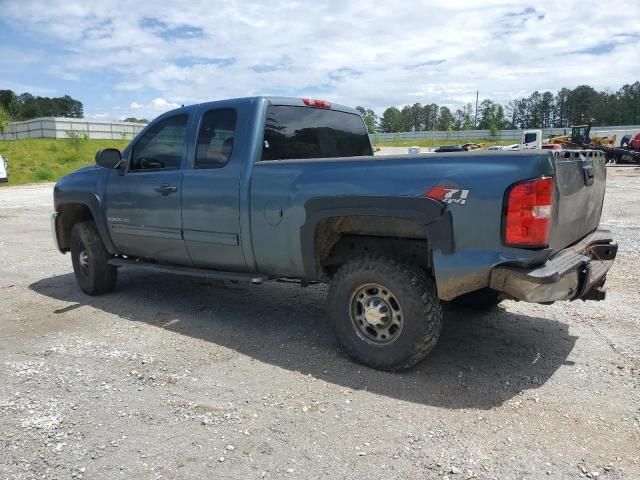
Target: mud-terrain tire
(482,300)
(90,260)
(385,314)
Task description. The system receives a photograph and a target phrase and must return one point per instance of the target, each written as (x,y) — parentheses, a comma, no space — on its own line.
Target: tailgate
(580,185)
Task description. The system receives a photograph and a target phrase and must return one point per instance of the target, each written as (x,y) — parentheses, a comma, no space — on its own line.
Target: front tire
(386,314)
(90,260)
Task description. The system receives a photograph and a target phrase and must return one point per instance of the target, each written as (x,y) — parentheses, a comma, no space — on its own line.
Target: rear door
(211,189)
(298,132)
(143,204)
(580,182)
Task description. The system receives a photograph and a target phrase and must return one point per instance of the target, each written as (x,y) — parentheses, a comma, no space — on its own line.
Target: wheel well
(339,239)
(70,214)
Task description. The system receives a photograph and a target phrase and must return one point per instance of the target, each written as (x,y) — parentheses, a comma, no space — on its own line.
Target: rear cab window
(216,138)
(293,132)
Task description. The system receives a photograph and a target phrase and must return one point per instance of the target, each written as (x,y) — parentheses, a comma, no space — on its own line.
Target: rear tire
(385,314)
(482,300)
(90,260)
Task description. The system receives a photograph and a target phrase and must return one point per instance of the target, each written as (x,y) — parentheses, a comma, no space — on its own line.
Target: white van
(4,176)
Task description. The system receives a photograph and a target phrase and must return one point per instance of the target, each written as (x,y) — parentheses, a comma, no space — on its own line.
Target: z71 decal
(447,194)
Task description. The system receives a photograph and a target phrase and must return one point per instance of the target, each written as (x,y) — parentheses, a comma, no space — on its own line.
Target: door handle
(166,189)
(588,174)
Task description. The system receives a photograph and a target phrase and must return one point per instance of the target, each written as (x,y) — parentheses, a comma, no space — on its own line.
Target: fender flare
(93,202)
(431,215)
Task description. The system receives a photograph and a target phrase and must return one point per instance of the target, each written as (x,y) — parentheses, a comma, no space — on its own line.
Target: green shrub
(76,139)
(44,174)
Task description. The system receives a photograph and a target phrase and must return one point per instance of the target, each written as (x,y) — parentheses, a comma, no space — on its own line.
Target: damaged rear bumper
(577,272)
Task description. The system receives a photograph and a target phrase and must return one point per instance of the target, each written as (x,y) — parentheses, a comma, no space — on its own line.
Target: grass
(33,160)
(486,142)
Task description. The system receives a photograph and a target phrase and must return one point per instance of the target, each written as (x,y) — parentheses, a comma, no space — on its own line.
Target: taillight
(311,102)
(528,213)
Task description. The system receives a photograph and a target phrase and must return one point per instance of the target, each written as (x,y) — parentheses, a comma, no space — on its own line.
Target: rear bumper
(577,272)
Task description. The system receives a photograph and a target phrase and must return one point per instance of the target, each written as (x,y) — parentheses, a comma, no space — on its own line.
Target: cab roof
(272,100)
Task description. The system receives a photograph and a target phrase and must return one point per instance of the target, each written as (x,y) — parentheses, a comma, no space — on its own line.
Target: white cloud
(361,52)
(145,110)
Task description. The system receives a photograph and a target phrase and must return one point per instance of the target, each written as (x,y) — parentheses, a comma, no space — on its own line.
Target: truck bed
(477,222)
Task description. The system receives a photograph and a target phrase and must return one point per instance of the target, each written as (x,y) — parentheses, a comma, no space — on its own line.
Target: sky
(139,59)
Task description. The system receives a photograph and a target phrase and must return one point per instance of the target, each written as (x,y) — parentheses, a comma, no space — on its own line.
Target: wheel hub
(83,258)
(376,314)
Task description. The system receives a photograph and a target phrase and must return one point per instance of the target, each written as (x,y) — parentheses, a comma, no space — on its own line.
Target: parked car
(263,188)
(515,146)
(494,147)
(449,148)
(4,170)
(632,142)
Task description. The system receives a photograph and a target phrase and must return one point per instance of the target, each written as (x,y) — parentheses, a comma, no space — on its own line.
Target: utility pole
(475,120)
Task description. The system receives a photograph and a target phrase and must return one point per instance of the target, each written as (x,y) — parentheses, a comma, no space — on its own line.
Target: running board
(192,272)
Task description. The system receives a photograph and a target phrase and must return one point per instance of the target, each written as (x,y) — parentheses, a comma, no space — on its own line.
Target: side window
(215,138)
(161,146)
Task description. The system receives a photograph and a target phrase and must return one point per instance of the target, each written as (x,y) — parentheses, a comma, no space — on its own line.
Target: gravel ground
(173,377)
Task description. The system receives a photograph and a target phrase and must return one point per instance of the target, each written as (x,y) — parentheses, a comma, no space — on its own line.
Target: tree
(4,119)
(561,117)
(27,106)
(464,118)
(629,104)
(513,113)
(491,117)
(9,101)
(136,120)
(406,119)
(547,107)
(582,104)
(445,119)
(430,116)
(416,117)
(390,121)
(369,116)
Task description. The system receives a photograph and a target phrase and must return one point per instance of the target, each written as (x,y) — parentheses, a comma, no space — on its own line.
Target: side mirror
(108,158)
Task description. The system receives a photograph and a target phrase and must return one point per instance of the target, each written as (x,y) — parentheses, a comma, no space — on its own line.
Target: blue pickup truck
(263,188)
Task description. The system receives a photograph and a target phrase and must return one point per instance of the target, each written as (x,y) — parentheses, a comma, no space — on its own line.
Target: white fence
(107,130)
(507,135)
(59,127)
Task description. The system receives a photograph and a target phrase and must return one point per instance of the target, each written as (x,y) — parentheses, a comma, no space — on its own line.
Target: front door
(143,204)
(211,193)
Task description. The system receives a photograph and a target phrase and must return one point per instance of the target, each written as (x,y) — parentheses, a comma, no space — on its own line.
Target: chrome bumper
(577,272)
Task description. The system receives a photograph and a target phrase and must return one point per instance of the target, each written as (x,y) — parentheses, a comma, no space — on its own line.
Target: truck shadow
(481,360)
